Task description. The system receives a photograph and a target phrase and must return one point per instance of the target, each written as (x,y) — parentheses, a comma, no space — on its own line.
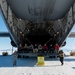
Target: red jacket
(45,47)
(57,47)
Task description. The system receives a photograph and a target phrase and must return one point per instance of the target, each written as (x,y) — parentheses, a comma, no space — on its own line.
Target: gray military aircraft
(38,21)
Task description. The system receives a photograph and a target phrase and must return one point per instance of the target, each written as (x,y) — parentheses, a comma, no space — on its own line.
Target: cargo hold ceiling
(40,9)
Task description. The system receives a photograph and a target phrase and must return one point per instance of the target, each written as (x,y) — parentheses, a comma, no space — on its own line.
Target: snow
(28,66)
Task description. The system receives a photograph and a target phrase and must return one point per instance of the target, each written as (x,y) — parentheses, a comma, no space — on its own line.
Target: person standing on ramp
(61,56)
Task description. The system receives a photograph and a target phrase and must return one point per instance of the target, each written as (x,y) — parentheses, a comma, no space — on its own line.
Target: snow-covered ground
(67,52)
(27,66)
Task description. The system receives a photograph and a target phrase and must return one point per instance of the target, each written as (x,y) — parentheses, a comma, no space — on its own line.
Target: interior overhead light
(58,19)
(19,19)
(20,32)
(57,32)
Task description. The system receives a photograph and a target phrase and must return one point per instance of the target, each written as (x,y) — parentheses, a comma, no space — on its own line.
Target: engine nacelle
(13,44)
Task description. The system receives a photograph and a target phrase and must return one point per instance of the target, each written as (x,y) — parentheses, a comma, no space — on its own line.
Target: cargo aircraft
(38,21)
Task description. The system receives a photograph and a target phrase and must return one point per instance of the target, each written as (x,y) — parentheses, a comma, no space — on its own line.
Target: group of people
(33,48)
(38,48)
(61,57)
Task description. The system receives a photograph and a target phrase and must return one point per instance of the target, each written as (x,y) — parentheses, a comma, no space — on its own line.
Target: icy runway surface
(27,66)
